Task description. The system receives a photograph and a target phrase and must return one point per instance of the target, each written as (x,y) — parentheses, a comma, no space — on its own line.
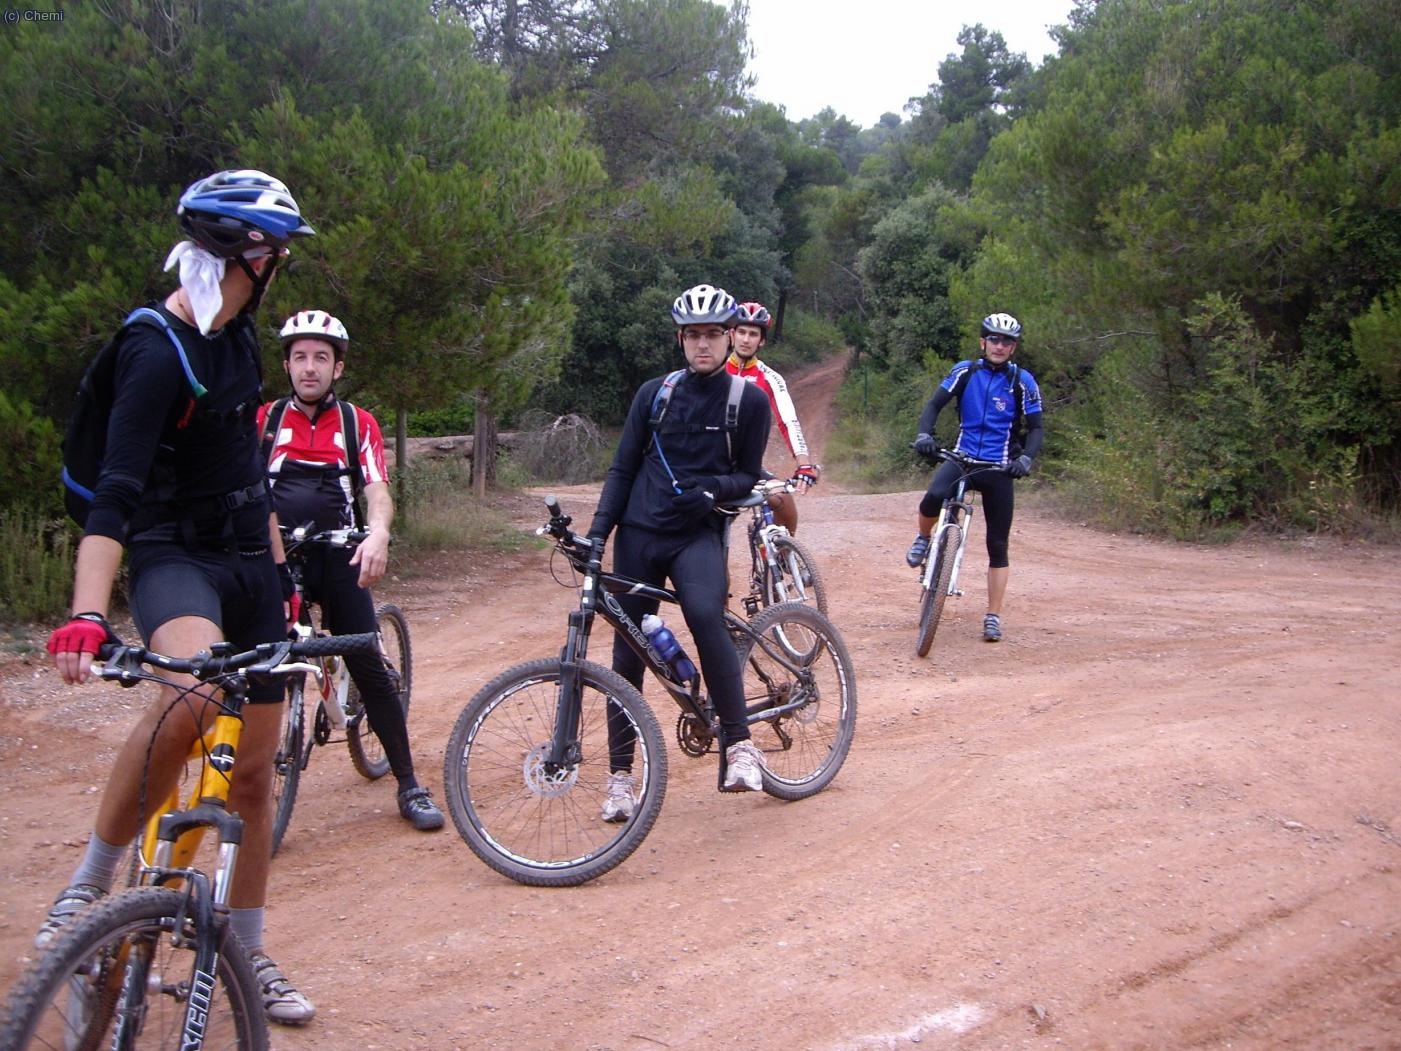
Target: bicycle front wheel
(288,762)
(931,606)
(539,823)
(366,749)
(797,663)
(122,975)
(796,578)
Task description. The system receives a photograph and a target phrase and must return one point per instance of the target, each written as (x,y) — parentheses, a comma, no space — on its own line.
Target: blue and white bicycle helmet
(1002,325)
(230,213)
(704,305)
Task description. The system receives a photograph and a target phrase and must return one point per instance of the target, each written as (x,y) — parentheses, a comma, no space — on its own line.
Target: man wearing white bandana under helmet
(182,491)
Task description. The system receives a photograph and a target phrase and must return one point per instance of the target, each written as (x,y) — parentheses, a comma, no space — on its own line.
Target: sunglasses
(999,341)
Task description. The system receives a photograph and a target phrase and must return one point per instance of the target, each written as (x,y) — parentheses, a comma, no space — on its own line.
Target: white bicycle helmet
(314,324)
(1002,325)
(704,305)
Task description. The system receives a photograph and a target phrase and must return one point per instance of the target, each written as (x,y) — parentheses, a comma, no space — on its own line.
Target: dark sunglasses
(1001,340)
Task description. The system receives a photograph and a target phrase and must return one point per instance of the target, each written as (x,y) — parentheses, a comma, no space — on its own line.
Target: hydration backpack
(85,440)
(663,399)
(1014,377)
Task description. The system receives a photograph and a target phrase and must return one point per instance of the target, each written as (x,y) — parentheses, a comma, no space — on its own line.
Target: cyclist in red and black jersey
(181,491)
(750,333)
(311,466)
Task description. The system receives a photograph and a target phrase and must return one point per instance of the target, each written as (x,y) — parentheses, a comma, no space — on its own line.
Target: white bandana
(200,277)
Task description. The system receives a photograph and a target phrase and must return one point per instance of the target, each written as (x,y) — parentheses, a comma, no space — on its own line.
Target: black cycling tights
(695,562)
(348,609)
(996,487)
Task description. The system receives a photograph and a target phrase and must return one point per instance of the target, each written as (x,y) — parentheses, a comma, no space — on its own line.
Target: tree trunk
(483,446)
(401,453)
(776,336)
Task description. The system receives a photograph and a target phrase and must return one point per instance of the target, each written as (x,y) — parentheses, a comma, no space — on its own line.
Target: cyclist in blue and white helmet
(181,493)
(692,439)
(242,215)
(999,410)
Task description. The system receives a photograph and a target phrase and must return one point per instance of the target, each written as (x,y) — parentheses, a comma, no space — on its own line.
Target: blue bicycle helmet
(232,212)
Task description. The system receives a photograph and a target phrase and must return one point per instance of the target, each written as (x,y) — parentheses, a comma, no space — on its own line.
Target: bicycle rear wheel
(366,749)
(797,578)
(932,603)
(799,658)
(538,825)
(115,977)
(287,764)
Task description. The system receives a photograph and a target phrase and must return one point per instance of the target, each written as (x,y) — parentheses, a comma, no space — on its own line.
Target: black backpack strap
(350,434)
(272,427)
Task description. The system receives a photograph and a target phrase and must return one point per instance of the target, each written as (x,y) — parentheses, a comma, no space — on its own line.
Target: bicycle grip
(336,645)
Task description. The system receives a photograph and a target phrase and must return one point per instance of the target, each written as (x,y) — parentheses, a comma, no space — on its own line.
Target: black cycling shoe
(416,807)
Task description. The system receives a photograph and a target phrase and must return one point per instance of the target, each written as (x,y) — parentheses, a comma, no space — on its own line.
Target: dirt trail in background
(1164,813)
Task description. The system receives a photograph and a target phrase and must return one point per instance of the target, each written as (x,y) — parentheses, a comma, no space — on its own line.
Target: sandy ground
(1164,813)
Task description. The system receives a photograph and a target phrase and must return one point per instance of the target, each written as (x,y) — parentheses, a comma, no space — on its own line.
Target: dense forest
(1194,207)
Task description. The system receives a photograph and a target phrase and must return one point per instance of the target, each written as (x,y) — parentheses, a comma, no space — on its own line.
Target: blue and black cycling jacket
(987,411)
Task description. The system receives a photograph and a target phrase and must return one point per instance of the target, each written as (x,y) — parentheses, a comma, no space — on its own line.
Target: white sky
(868,57)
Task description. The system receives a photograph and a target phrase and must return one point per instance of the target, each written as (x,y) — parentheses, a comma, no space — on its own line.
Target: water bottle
(664,642)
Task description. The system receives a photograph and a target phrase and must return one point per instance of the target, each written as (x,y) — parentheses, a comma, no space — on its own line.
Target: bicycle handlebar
(121,663)
(294,537)
(968,463)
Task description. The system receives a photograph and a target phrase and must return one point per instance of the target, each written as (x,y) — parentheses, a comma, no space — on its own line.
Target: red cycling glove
(808,474)
(85,633)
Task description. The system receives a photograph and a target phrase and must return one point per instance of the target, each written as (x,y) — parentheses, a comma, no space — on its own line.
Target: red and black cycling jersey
(309,464)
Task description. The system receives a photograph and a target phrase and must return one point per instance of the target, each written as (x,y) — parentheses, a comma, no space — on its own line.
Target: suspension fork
(564,743)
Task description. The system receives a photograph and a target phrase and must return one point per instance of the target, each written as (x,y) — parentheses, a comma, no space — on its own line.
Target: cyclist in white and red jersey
(311,473)
(750,333)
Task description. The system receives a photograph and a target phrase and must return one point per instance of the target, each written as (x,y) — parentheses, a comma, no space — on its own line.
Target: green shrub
(36,566)
(439,512)
(29,470)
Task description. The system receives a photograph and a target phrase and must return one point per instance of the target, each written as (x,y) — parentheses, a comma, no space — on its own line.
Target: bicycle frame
(957,510)
(598,597)
(762,551)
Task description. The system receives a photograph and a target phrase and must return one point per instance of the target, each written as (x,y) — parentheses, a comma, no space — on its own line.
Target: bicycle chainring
(321,726)
(693,735)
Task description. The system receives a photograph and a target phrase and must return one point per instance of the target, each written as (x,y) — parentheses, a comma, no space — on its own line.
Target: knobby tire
(794,559)
(68,997)
(541,827)
(366,749)
(291,757)
(932,602)
(806,659)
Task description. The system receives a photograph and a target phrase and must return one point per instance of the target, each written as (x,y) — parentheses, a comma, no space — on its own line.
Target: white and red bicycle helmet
(314,324)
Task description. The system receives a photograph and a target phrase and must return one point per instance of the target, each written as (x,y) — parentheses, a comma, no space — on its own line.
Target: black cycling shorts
(240,593)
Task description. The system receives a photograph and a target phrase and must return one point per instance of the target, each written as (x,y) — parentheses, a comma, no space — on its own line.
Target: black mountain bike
(154,966)
(527,764)
(339,707)
(938,573)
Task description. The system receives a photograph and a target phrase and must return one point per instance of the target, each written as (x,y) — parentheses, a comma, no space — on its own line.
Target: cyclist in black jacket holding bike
(661,493)
(995,399)
(182,491)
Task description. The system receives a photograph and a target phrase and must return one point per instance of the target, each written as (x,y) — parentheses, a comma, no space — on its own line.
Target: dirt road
(1164,813)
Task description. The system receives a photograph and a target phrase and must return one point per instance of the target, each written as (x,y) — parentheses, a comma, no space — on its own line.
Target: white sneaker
(744,768)
(621,801)
(281,1001)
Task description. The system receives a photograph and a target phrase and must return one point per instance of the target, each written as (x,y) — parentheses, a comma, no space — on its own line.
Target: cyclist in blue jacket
(996,401)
